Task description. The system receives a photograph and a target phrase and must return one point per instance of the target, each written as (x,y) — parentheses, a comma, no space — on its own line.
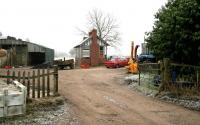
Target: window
(101,50)
(86,53)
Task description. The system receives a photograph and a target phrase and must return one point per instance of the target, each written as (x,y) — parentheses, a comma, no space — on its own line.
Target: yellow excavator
(133,61)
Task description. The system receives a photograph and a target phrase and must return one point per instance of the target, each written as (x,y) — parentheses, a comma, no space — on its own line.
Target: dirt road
(99,98)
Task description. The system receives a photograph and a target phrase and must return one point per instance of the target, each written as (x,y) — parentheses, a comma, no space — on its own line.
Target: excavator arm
(133,63)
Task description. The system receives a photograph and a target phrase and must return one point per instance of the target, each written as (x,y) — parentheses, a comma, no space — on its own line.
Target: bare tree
(106,25)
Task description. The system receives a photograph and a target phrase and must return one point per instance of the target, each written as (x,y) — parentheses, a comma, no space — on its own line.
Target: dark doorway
(36,58)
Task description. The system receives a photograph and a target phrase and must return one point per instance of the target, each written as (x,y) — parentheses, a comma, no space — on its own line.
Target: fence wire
(149,74)
(184,79)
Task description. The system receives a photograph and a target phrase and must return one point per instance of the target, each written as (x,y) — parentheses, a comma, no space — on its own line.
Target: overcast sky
(53,23)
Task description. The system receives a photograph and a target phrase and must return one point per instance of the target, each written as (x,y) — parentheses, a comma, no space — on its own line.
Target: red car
(7,67)
(116,62)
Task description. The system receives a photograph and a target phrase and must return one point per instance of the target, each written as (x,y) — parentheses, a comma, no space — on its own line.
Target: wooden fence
(38,82)
(147,72)
(179,77)
(173,77)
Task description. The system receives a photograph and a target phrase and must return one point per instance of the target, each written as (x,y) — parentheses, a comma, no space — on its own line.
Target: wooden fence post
(8,76)
(55,80)
(161,87)
(19,76)
(23,79)
(33,86)
(5,105)
(48,83)
(198,79)
(166,74)
(43,83)
(139,78)
(13,75)
(28,85)
(38,85)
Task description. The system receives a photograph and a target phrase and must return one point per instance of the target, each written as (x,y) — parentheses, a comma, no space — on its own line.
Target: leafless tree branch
(106,25)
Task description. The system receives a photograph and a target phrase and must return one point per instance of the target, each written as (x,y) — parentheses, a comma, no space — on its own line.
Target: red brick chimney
(94,48)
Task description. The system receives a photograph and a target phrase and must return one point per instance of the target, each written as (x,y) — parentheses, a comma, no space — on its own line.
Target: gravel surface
(45,113)
(96,96)
(192,102)
(100,97)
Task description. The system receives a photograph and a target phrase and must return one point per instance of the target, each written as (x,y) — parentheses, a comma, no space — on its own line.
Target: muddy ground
(99,97)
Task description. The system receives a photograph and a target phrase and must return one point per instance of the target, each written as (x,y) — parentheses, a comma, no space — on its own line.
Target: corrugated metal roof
(18,42)
(3,37)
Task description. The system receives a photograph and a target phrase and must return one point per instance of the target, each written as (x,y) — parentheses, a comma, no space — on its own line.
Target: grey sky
(53,23)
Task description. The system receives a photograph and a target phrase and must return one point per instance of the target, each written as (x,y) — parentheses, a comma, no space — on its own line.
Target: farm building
(91,51)
(23,53)
(145,49)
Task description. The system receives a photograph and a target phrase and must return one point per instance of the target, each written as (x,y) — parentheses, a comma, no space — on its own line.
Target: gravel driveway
(98,97)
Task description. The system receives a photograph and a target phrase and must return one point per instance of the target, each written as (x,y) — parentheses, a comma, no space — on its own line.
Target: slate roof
(88,38)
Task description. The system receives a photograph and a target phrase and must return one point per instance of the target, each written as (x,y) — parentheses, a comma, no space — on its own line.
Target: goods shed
(23,53)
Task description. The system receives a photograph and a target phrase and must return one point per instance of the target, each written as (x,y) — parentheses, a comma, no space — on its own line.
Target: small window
(86,53)
(101,48)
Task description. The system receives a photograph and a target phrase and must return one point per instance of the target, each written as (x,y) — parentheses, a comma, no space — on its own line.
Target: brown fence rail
(180,78)
(39,83)
(184,75)
(148,72)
